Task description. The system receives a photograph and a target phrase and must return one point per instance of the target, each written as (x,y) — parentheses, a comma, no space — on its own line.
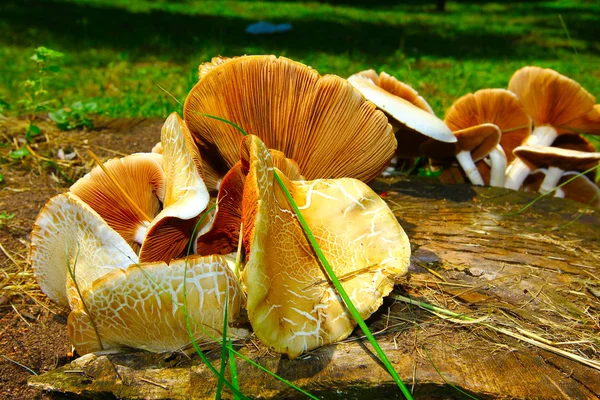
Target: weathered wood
(469,256)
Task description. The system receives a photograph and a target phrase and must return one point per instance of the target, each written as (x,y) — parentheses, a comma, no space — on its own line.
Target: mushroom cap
(223,235)
(142,176)
(68,232)
(414,120)
(186,195)
(565,159)
(478,140)
(588,123)
(397,88)
(142,307)
(291,303)
(322,123)
(581,189)
(549,97)
(206,67)
(496,106)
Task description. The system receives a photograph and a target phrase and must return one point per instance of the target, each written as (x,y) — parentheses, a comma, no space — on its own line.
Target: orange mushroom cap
(322,123)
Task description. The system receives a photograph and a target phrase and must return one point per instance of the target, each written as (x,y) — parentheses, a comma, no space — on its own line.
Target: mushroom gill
(321,122)
(292,305)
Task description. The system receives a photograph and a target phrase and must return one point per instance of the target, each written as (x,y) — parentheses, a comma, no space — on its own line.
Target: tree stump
(527,273)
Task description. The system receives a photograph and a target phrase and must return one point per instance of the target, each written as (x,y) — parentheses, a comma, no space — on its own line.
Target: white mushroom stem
(517,171)
(498,166)
(466,162)
(553,175)
(559,193)
(140,233)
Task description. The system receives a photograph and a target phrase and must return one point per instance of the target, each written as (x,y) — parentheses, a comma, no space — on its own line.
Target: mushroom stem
(498,166)
(466,162)
(542,136)
(516,174)
(552,177)
(517,171)
(559,193)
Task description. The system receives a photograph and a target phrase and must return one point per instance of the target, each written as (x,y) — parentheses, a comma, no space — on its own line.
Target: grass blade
(233,369)
(224,350)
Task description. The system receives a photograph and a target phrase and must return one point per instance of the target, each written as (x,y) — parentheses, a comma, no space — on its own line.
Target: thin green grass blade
(224,350)
(532,202)
(18,363)
(233,369)
(353,311)
(587,207)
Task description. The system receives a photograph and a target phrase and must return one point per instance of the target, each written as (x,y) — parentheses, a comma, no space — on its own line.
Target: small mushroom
(69,234)
(558,160)
(572,185)
(142,307)
(129,211)
(473,144)
(557,105)
(321,122)
(413,124)
(292,305)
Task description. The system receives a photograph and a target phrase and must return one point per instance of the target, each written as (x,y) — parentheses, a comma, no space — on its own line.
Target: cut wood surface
(525,273)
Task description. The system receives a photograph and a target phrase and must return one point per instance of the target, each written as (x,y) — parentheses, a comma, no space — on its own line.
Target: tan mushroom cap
(68,232)
(564,159)
(141,176)
(581,189)
(186,195)
(322,123)
(496,106)
(397,88)
(291,304)
(478,140)
(588,123)
(223,235)
(549,97)
(142,307)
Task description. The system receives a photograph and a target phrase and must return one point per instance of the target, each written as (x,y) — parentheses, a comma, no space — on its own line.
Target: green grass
(117,52)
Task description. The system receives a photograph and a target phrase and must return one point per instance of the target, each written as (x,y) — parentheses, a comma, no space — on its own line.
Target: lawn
(118,52)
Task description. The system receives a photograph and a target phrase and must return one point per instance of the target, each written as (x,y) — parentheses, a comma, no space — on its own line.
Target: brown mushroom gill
(291,304)
(321,122)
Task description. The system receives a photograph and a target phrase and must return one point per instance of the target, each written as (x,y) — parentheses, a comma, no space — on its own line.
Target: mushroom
(69,234)
(473,144)
(572,185)
(557,105)
(223,235)
(291,303)
(142,307)
(130,211)
(558,160)
(413,124)
(495,106)
(322,123)
(186,195)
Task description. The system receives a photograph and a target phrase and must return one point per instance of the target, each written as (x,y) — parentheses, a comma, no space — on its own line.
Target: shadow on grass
(178,37)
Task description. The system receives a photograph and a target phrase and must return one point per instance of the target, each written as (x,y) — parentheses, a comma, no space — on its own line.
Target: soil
(33,335)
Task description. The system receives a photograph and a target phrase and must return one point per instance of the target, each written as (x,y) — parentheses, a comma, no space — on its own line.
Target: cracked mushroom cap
(549,97)
(291,304)
(68,232)
(142,307)
(495,106)
(415,124)
(186,195)
(564,159)
(321,122)
(128,197)
(223,235)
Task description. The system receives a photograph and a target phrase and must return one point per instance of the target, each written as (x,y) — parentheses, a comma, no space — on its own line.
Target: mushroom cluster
(141,243)
(499,137)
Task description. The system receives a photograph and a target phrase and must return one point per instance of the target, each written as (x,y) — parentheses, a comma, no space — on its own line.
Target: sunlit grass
(114,59)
